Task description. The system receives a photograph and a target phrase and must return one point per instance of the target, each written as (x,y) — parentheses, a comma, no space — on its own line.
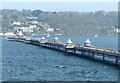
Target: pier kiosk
(28,40)
(69,48)
(87,43)
(42,42)
(20,34)
(56,40)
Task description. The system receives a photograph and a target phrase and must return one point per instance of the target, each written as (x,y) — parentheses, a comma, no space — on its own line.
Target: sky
(62,6)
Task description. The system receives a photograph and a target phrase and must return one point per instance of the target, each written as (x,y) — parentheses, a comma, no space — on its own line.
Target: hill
(70,23)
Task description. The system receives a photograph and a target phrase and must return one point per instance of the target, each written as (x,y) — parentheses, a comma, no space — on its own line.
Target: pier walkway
(69,48)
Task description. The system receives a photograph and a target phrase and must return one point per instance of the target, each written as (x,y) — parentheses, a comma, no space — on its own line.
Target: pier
(69,48)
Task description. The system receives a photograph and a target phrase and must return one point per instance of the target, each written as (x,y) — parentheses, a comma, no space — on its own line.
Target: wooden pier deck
(70,48)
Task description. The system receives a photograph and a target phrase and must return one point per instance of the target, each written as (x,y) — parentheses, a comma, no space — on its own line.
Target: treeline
(71,23)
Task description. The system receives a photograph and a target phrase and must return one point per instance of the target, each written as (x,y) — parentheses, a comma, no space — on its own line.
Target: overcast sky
(62,6)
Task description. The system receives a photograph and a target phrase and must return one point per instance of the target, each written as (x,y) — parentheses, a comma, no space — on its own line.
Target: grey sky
(63,6)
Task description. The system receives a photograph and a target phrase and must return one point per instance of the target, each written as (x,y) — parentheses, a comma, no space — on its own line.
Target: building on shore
(1,34)
(50,30)
(16,23)
(9,34)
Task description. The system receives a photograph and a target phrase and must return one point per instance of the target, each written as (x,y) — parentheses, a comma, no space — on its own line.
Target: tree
(36,12)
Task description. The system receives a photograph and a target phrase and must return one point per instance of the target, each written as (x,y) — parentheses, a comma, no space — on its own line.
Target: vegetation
(71,23)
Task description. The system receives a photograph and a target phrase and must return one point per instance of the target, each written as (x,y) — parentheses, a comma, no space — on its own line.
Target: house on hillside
(9,34)
(16,23)
(50,30)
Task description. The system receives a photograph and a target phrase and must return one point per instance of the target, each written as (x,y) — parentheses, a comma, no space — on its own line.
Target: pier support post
(93,54)
(116,60)
(103,57)
(82,52)
(74,50)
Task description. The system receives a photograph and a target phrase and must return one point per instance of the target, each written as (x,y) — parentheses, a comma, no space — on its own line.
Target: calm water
(25,62)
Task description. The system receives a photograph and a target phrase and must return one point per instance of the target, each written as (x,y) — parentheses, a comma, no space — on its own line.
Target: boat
(95,35)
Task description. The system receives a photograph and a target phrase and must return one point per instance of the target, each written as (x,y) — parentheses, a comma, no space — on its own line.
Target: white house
(117,30)
(1,34)
(50,30)
(33,26)
(31,31)
(16,23)
(9,34)
(32,17)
